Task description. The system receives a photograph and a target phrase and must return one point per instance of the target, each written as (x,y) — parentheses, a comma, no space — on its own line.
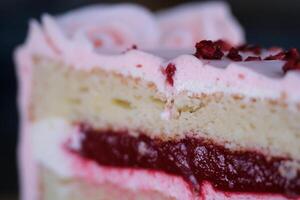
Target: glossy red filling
(194,159)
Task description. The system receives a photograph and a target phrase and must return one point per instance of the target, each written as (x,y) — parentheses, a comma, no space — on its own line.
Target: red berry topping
(209,50)
(292,64)
(169,72)
(253,58)
(256,49)
(292,54)
(278,56)
(224,46)
(234,55)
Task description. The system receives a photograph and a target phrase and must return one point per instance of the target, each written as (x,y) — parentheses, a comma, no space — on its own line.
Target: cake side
(111,101)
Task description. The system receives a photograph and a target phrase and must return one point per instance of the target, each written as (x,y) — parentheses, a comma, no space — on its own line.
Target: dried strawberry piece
(205,49)
(256,49)
(204,43)
(223,45)
(218,54)
(253,58)
(234,55)
(292,64)
(279,56)
(292,54)
(208,50)
(170,72)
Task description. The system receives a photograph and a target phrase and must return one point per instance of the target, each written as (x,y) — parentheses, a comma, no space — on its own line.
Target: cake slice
(110,111)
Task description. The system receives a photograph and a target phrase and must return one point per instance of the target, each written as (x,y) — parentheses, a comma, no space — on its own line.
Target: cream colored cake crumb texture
(108,100)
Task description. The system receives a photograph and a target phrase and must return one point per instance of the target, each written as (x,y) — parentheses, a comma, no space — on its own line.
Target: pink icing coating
(23,59)
(187,24)
(259,79)
(128,24)
(26,163)
(180,27)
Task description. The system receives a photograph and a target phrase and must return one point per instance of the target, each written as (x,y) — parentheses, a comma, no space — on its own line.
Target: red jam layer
(192,158)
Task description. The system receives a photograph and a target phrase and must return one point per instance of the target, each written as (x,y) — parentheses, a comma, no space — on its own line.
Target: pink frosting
(118,26)
(128,24)
(26,164)
(185,25)
(258,79)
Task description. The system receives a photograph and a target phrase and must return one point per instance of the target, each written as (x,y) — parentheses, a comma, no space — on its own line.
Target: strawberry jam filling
(194,159)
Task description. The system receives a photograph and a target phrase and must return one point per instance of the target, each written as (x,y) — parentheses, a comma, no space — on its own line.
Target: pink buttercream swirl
(183,26)
(118,26)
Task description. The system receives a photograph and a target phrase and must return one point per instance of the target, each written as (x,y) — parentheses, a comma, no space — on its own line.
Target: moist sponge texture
(109,100)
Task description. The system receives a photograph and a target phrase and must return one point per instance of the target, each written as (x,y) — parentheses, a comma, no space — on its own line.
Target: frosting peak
(121,26)
(112,26)
(185,25)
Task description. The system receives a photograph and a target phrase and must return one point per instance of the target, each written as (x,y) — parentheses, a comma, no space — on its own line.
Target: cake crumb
(234,55)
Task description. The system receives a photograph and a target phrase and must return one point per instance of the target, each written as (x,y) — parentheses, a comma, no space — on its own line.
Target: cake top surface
(132,41)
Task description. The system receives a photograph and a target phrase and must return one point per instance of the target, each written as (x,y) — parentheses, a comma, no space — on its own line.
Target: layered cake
(119,103)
